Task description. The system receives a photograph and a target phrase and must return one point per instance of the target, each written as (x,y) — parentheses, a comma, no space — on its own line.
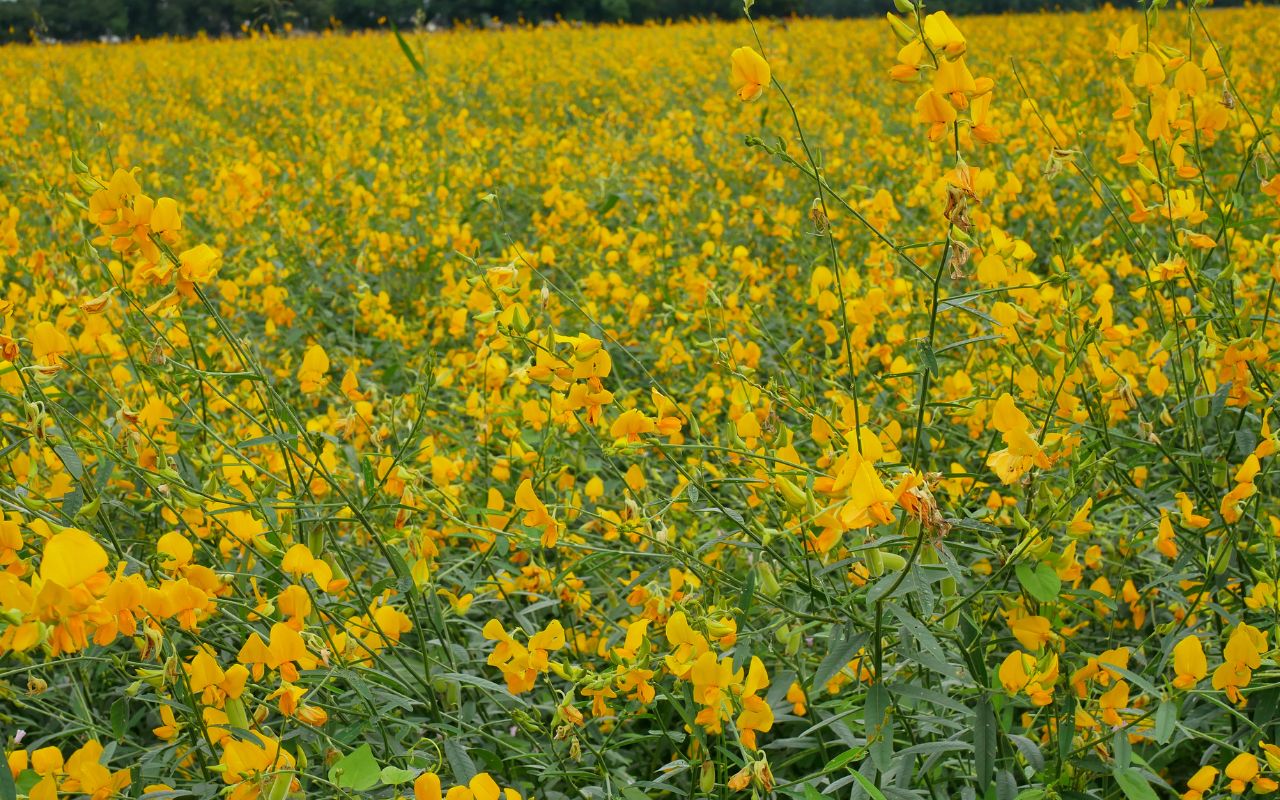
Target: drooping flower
(751,73)
(1189,662)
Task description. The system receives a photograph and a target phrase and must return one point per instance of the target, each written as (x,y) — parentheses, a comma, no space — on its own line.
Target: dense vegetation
(869,409)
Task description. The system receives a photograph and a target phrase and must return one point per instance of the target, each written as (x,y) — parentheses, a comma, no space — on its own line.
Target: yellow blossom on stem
(751,73)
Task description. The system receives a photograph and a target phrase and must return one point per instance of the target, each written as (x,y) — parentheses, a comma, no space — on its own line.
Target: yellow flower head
(751,73)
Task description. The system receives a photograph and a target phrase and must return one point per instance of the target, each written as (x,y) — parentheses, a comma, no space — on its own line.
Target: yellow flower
(943,34)
(1244,770)
(1022,451)
(176,548)
(168,728)
(631,425)
(1147,71)
(253,759)
(71,558)
(536,513)
(312,375)
(1189,662)
(49,344)
(756,715)
(426,787)
(1200,783)
(1241,656)
(1113,701)
(1031,632)
(199,264)
(751,73)
(1023,673)
(933,110)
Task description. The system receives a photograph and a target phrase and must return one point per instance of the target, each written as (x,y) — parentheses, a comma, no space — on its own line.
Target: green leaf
(8,789)
(1006,785)
(1068,728)
(483,683)
(748,593)
(984,743)
(879,721)
(930,653)
(408,52)
(852,754)
(606,205)
(118,711)
(70,459)
(392,775)
(27,781)
(841,646)
(1030,751)
(357,770)
(927,355)
(1134,784)
(869,787)
(464,769)
(969,341)
(1121,751)
(1134,678)
(1040,581)
(72,502)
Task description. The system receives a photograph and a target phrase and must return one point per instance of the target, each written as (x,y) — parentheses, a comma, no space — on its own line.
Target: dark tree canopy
(20,20)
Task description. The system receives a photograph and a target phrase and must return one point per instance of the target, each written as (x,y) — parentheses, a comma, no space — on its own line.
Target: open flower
(751,73)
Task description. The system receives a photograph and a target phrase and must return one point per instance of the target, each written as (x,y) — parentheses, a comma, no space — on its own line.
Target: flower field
(866,409)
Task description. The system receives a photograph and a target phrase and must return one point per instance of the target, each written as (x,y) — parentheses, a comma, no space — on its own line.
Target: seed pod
(892,561)
(768,582)
(901,29)
(1019,520)
(707,778)
(793,642)
(87,184)
(265,547)
(1188,362)
(89,509)
(791,493)
(1201,407)
(1220,474)
(280,786)
(875,561)
(236,714)
(947,586)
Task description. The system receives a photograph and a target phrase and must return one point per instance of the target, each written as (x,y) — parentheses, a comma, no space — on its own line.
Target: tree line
(71,20)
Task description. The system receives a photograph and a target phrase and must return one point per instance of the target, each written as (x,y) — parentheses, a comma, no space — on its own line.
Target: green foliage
(21,20)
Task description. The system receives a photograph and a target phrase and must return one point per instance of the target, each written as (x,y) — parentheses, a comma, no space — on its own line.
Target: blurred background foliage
(22,20)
